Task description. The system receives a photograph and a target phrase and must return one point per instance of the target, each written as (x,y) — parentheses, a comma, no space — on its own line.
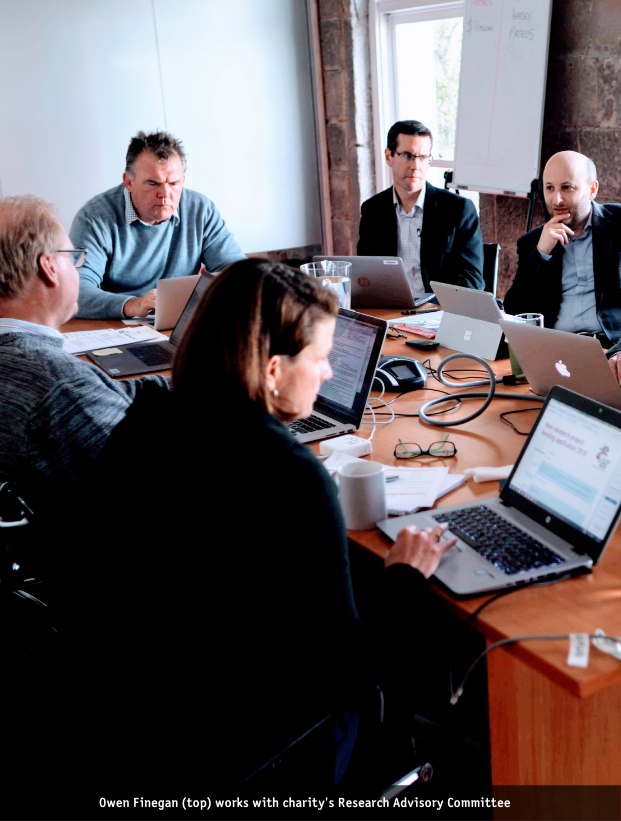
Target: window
(415,68)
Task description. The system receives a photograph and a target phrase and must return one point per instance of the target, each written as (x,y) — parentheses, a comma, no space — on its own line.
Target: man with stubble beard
(569,269)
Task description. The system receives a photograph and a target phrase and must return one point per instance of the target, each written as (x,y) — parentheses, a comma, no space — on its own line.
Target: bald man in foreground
(569,269)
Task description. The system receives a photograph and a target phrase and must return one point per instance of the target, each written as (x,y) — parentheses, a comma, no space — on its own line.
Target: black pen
(424,311)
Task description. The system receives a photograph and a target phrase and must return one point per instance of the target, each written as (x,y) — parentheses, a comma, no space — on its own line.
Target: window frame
(384,15)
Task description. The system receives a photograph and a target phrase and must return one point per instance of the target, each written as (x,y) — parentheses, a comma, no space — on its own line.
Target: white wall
(231,79)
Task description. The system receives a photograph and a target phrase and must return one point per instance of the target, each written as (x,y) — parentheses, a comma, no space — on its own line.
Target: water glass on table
(525,319)
(332,274)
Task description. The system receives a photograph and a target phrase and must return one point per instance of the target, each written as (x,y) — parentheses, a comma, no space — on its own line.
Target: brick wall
(582,112)
(335,23)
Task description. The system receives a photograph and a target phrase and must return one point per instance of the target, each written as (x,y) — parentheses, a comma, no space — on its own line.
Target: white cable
(387,405)
(374,423)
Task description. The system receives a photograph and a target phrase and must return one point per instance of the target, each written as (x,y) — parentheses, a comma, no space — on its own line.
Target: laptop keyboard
(152,354)
(507,547)
(311,424)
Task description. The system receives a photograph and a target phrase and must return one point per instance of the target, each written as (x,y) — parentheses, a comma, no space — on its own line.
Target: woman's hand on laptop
(421,549)
(140,305)
(615,364)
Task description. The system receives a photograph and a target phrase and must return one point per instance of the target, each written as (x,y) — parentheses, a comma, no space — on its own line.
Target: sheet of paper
(415,487)
(430,321)
(77,342)
(336,459)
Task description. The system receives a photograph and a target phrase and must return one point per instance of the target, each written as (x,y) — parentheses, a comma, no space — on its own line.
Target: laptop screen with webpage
(570,469)
(356,349)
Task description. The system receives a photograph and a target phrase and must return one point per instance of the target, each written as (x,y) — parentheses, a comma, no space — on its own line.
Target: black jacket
(212,604)
(537,286)
(451,243)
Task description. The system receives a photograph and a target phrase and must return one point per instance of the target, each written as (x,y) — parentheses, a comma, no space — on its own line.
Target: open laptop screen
(201,286)
(570,468)
(357,345)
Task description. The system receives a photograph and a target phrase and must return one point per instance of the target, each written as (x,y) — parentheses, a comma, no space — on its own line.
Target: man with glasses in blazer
(434,231)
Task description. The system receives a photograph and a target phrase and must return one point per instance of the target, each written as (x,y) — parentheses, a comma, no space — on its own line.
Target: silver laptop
(172,297)
(147,357)
(470,321)
(556,512)
(380,282)
(550,358)
(358,341)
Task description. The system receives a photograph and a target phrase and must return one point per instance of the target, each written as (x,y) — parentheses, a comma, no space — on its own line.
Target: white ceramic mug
(362,487)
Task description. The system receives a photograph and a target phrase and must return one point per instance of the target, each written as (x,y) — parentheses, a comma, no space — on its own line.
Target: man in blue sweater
(146,229)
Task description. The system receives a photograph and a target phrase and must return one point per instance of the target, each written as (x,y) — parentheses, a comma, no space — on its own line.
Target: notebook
(147,357)
(549,358)
(556,512)
(380,282)
(340,404)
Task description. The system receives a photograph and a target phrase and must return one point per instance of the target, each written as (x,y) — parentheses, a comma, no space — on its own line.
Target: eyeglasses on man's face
(78,255)
(410,450)
(406,156)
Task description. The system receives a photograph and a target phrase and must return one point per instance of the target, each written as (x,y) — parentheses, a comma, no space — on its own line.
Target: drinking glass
(525,319)
(326,268)
(332,274)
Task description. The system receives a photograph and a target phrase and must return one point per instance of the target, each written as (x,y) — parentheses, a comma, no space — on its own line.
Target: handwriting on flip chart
(517,30)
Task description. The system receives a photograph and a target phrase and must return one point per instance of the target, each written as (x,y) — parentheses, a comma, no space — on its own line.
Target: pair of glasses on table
(410,450)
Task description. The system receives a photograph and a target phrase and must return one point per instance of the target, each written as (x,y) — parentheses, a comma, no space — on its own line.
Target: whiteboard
(238,93)
(501,95)
(231,79)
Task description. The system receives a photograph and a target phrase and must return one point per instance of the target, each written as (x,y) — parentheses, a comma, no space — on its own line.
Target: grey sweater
(56,412)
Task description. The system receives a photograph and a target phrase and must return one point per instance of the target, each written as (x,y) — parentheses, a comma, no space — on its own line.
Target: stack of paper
(421,324)
(78,342)
(412,489)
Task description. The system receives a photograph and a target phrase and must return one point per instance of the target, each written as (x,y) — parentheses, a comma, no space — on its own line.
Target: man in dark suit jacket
(569,269)
(435,231)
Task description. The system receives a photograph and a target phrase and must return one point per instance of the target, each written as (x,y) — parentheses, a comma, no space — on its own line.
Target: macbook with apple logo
(549,358)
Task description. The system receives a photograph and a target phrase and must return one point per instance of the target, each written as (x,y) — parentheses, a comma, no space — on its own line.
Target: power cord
(535,583)
(603,639)
(491,394)
(503,418)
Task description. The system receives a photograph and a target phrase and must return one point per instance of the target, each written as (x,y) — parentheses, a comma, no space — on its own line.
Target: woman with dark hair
(231,629)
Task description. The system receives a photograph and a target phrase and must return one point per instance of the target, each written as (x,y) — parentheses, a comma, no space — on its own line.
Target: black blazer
(451,244)
(537,286)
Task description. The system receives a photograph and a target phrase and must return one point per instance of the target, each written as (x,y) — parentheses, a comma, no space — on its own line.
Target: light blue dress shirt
(8,326)
(578,311)
(410,227)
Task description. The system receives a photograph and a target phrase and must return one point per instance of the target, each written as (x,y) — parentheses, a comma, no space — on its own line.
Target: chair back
(491,253)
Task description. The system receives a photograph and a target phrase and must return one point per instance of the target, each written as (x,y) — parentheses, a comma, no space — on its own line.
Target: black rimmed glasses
(407,157)
(410,450)
(78,255)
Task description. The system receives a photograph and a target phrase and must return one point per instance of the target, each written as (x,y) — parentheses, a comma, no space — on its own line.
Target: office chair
(379,769)
(491,253)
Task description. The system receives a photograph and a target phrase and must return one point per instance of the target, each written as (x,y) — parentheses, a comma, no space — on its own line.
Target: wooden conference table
(549,723)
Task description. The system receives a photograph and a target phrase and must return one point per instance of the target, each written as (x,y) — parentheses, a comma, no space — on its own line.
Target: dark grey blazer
(451,244)
(537,286)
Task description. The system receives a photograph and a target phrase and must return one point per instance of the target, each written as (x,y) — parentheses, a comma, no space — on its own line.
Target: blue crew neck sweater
(124,261)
